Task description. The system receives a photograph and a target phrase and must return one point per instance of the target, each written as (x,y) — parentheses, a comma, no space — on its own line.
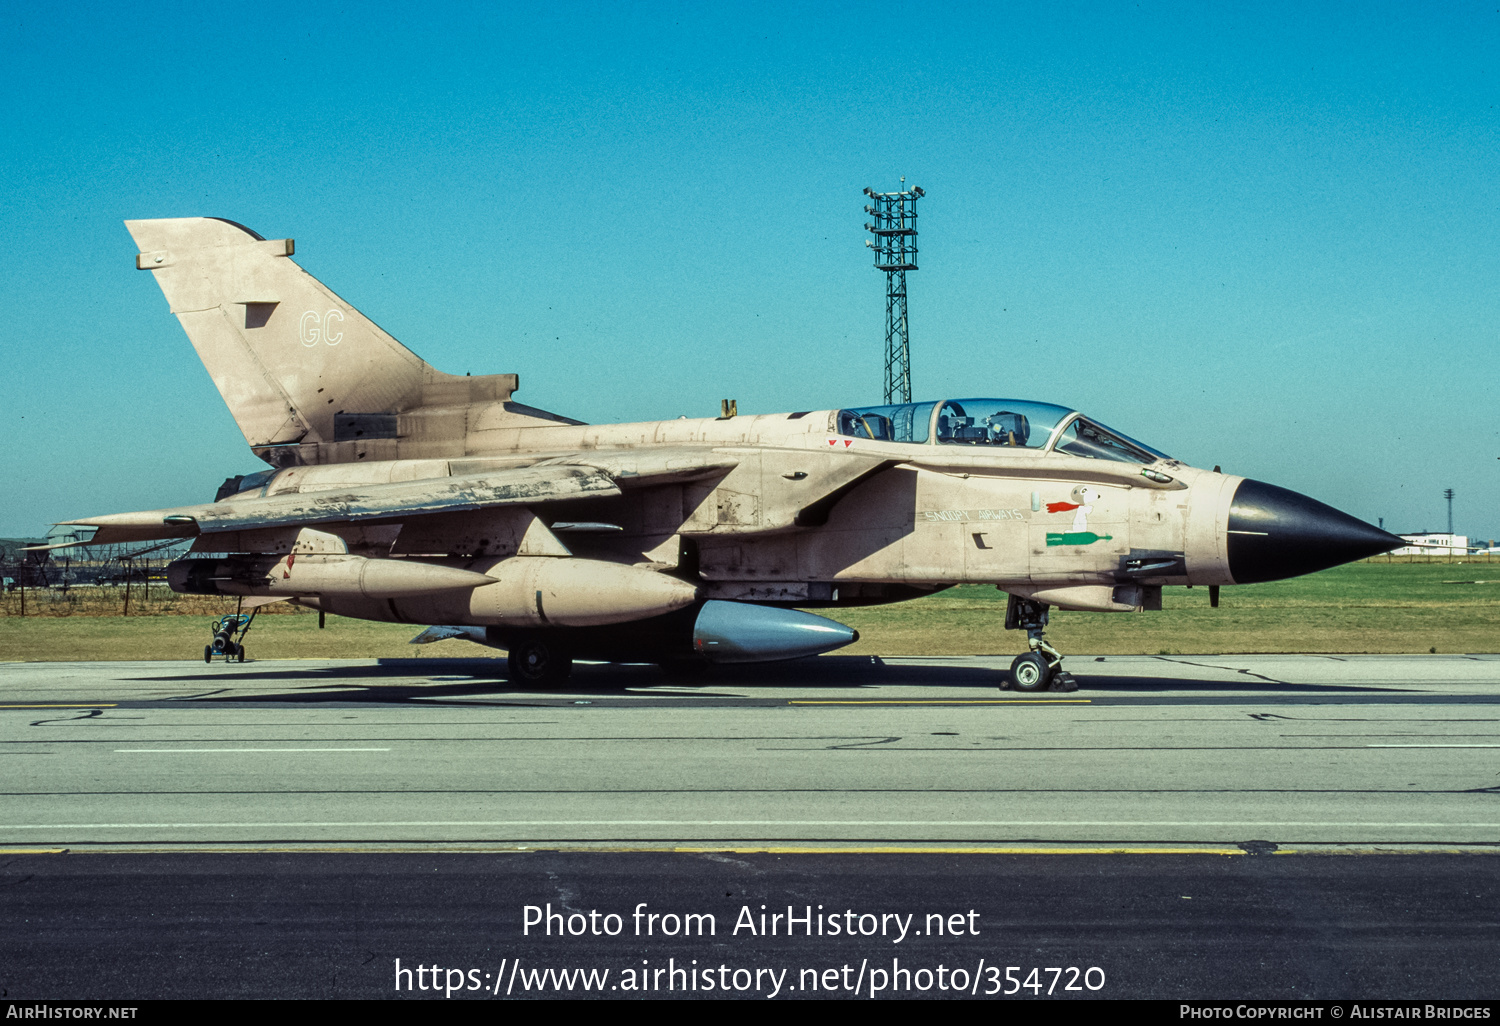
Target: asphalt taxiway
(1274,752)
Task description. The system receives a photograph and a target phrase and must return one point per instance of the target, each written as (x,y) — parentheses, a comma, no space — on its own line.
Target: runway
(1266,753)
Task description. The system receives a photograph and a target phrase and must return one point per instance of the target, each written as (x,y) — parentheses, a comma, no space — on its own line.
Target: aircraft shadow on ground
(464,679)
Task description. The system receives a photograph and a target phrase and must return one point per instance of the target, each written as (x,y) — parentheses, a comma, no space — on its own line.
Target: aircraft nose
(1275,533)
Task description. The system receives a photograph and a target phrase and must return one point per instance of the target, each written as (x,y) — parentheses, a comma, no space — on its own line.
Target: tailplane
(308,378)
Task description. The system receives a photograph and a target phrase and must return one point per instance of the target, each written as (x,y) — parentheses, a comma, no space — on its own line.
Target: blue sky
(1262,236)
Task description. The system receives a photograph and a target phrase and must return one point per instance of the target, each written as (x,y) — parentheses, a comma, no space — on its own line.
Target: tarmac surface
(1230,928)
(1190,827)
(1374,752)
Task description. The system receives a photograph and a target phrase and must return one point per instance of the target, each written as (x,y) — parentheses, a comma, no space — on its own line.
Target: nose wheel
(1041,668)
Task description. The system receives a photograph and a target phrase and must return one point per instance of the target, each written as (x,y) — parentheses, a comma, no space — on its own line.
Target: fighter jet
(396,492)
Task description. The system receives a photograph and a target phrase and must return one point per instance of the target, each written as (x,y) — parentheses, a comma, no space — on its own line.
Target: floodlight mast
(895,246)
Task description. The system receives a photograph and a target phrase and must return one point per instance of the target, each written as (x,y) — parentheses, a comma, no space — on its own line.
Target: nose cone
(1276,533)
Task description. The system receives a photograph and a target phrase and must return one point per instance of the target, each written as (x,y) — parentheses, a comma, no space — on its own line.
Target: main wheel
(208,653)
(538,661)
(685,670)
(1030,672)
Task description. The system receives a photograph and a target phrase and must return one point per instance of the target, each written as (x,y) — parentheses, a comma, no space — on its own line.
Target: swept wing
(579,477)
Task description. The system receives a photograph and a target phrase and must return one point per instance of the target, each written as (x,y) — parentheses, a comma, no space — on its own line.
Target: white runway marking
(178,751)
(737,823)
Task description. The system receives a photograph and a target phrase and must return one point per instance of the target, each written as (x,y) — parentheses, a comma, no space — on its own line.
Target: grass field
(1362,607)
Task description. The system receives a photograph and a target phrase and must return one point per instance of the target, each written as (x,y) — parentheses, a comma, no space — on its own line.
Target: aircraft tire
(208,653)
(538,662)
(685,669)
(1030,672)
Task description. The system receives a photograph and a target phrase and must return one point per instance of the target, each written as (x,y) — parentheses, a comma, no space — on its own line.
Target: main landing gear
(1041,668)
(538,661)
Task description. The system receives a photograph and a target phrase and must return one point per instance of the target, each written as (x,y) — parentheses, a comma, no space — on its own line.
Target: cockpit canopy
(1010,423)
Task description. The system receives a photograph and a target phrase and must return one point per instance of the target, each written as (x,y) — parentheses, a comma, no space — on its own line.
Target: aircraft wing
(565,476)
(635,468)
(520,486)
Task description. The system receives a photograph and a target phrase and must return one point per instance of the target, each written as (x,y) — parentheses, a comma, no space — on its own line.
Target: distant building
(66,534)
(11,549)
(19,567)
(1433,543)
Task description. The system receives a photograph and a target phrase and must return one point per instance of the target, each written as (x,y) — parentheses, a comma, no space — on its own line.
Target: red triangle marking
(848,442)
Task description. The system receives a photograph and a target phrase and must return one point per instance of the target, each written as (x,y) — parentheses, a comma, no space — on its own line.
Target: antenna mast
(895,246)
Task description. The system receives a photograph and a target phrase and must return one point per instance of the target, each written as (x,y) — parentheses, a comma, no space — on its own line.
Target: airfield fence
(106,585)
(111,600)
(138,587)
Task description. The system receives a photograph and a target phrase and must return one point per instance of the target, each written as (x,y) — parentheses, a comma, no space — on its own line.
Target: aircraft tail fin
(297,365)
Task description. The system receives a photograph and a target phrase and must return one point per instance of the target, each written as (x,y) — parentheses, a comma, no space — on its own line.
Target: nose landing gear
(1041,668)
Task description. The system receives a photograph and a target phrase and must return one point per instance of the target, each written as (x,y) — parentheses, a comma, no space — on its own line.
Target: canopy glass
(1007,423)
